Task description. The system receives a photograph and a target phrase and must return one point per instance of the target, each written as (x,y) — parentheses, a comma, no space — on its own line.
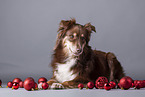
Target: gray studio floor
(21,92)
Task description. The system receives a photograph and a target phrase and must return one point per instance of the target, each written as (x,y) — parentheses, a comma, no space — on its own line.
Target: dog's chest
(63,72)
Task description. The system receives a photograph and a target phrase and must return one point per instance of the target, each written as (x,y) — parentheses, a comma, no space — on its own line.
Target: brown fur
(91,63)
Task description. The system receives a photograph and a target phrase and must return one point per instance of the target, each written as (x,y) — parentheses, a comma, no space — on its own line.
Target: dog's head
(73,37)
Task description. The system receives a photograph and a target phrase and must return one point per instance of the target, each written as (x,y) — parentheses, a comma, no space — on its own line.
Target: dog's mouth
(76,53)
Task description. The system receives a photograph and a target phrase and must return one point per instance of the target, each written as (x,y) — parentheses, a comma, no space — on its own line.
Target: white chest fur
(63,71)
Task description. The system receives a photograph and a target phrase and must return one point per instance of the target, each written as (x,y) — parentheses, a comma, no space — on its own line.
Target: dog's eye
(71,36)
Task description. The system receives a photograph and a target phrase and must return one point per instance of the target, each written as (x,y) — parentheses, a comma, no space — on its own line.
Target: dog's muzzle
(77,53)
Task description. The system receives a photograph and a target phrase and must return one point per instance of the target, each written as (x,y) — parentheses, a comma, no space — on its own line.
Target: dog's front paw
(57,86)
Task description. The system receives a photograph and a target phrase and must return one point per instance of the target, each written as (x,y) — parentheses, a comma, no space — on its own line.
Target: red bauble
(135,82)
(80,86)
(113,84)
(17,80)
(42,79)
(132,85)
(143,83)
(21,83)
(45,85)
(118,86)
(107,86)
(100,85)
(29,84)
(0,82)
(30,78)
(15,86)
(140,83)
(137,86)
(100,82)
(126,82)
(36,86)
(102,79)
(9,84)
(90,85)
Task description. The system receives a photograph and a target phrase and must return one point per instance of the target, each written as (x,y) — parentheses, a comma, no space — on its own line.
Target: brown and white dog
(75,62)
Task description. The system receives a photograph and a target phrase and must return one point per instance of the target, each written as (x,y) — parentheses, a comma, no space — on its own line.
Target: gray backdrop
(28,30)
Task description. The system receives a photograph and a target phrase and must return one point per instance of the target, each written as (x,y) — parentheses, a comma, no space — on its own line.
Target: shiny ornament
(29,84)
(9,84)
(30,78)
(100,82)
(118,86)
(80,86)
(45,85)
(132,85)
(107,86)
(42,79)
(17,80)
(100,85)
(135,82)
(137,86)
(113,84)
(140,83)
(126,82)
(21,84)
(143,83)
(36,86)
(15,86)
(90,85)
(0,83)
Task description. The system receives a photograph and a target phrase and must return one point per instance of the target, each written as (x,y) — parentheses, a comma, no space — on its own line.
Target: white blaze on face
(70,48)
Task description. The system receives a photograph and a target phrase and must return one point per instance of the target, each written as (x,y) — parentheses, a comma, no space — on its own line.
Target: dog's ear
(63,27)
(90,27)
(66,24)
(59,38)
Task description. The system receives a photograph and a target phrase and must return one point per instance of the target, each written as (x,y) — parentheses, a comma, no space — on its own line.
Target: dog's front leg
(70,84)
(74,83)
(54,84)
(51,81)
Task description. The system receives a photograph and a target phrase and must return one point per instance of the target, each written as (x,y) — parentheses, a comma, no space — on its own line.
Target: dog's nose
(79,50)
